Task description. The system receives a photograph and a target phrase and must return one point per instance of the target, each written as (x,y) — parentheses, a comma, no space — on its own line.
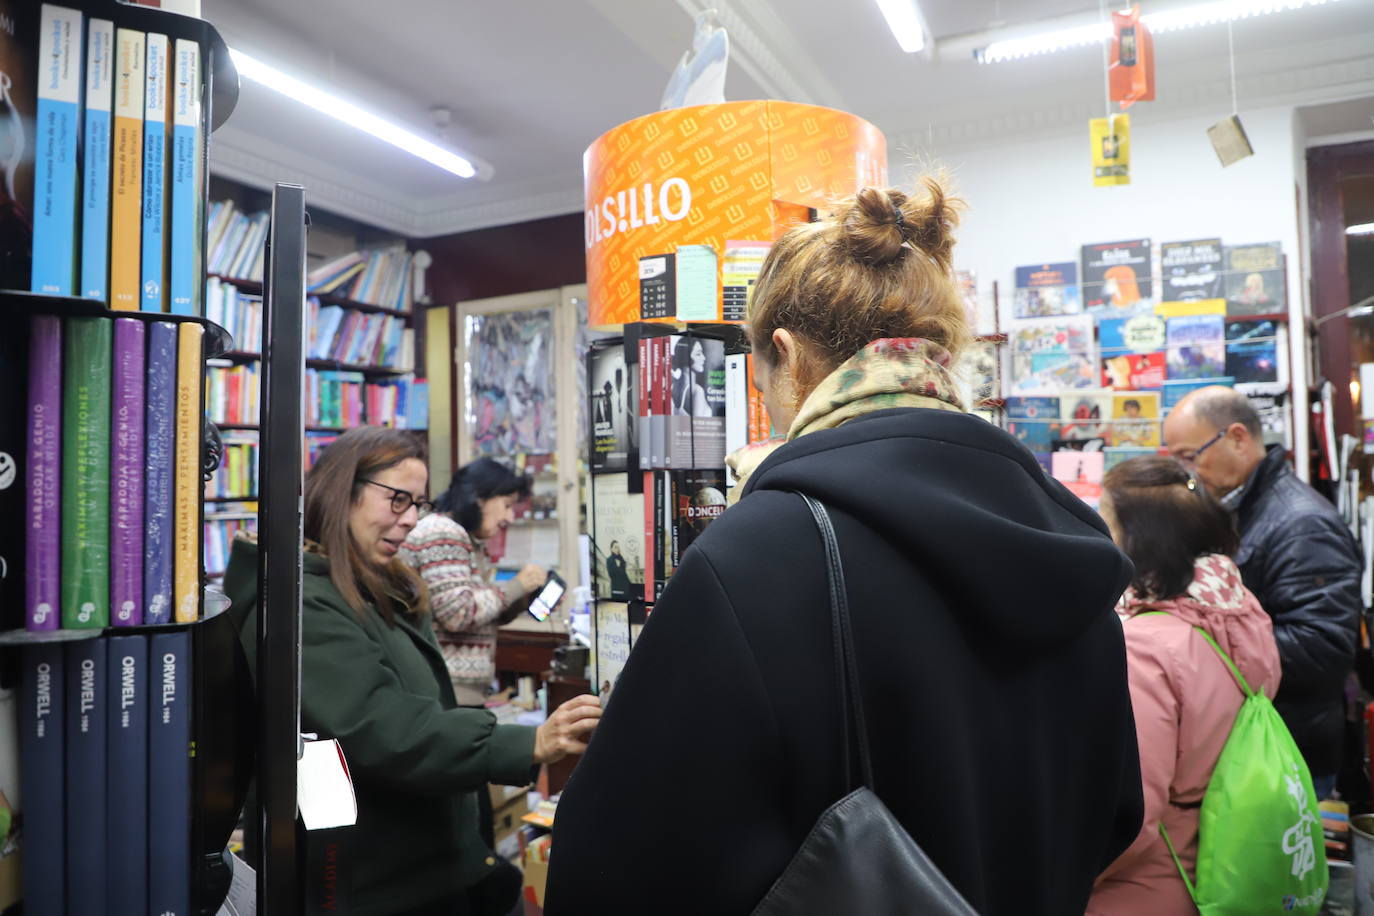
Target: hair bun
(880,226)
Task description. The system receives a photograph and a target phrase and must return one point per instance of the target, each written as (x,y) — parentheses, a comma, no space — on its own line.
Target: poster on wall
(1052,354)
(1255,279)
(615,410)
(1117,277)
(510,399)
(1047,289)
(1191,271)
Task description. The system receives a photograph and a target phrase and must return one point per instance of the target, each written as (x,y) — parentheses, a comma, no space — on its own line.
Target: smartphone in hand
(542,604)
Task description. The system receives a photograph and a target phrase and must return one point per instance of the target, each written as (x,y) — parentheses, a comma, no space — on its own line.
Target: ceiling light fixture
(350,114)
(1360,229)
(904,19)
(1184,17)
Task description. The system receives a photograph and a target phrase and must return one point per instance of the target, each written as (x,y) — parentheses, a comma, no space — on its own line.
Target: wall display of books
(237,475)
(221,527)
(1047,289)
(1255,281)
(1191,271)
(1051,354)
(1117,277)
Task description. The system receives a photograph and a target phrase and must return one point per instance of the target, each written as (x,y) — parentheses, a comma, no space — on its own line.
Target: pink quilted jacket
(1184,700)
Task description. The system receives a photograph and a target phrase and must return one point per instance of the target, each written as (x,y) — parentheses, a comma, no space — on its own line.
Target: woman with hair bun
(991,665)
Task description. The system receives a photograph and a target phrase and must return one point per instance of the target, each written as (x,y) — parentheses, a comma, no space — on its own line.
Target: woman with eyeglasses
(373,676)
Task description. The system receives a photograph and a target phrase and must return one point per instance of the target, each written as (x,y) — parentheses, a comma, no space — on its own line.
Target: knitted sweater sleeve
(461,599)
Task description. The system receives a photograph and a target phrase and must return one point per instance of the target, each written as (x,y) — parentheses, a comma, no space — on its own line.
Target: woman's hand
(532,578)
(567,730)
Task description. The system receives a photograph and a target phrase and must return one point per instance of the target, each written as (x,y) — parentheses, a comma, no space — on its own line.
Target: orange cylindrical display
(738,171)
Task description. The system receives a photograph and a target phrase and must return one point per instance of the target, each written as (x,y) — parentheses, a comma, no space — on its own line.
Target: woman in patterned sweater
(449,549)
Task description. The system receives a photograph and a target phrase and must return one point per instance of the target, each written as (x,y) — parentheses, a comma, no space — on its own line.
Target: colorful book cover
(1191,271)
(1197,348)
(1051,354)
(1085,414)
(1133,352)
(612,638)
(1176,390)
(87,756)
(126,820)
(169,773)
(42,755)
(1255,283)
(187,277)
(1035,421)
(43,491)
(651,502)
(1117,276)
(126,190)
(613,407)
(617,537)
(95,164)
(1044,290)
(698,500)
(59,120)
(1254,351)
(159,457)
(1135,419)
(126,474)
(19,73)
(1081,473)
(155,82)
(186,509)
(86,365)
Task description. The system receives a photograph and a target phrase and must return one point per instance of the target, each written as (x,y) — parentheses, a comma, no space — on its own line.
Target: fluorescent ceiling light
(1361,229)
(352,115)
(1184,17)
(905,23)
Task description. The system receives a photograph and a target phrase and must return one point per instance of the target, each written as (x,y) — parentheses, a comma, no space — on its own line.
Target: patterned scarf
(888,373)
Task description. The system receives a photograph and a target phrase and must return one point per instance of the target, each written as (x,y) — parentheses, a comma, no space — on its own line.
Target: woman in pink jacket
(1184,698)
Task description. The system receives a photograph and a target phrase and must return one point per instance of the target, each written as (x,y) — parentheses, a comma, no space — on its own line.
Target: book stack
(237,475)
(232,394)
(116,180)
(382,278)
(356,338)
(235,242)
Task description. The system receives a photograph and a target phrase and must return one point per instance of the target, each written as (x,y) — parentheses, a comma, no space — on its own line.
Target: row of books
(232,394)
(333,398)
(235,242)
(402,402)
(357,338)
(1100,418)
(221,527)
(237,312)
(237,474)
(112,472)
(1119,277)
(381,277)
(638,538)
(317,441)
(105,773)
(117,149)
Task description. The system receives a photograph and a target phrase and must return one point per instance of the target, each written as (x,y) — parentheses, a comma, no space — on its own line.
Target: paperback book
(1191,271)
(55,184)
(1044,290)
(1197,348)
(614,409)
(618,537)
(1135,419)
(1255,282)
(19,71)
(1117,277)
(698,499)
(1035,421)
(1052,354)
(1255,351)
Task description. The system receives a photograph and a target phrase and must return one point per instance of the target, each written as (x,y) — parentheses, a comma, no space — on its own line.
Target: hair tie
(897,212)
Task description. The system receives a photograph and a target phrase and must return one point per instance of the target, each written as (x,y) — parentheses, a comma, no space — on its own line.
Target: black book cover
(1116,275)
(14,426)
(18,133)
(698,500)
(614,407)
(657,286)
(1191,270)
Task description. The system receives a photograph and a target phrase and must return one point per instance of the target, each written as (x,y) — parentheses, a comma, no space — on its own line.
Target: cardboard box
(506,820)
(536,876)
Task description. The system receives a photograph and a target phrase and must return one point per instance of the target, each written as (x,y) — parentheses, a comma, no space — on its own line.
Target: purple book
(160,448)
(43,550)
(126,475)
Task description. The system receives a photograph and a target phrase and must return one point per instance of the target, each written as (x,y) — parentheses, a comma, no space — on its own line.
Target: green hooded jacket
(416,758)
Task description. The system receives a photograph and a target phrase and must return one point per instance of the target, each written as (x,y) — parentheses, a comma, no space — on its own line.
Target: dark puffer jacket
(1302,564)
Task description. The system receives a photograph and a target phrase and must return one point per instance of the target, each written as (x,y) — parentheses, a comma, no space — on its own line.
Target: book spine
(42,742)
(650,567)
(154,173)
(126,474)
(645,406)
(87,735)
(186,511)
(186,275)
(58,126)
(86,473)
(126,822)
(158,460)
(126,200)
(95,167)
(169,774)
(43,545)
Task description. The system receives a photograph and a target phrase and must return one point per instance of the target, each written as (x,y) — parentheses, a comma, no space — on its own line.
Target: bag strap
(1230,665)
(853,726)
(1183,872)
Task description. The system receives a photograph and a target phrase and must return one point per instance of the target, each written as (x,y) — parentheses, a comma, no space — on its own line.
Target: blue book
(87,734)
(126,824)
(187,278)
(95,191)
(169,774)
(154,170)
(159,457)
(42,739)
(54,167)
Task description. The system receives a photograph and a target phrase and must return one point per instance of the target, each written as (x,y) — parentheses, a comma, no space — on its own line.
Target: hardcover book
(187,276)
(126,188)
(95,161)
(15,511)
(159,459)
(169,773)
(126,822)
(186,508)
(42,757)
(126,472)
(87,737)
(154,172)
(1135,419)
(1081,473)
(1117,276)
(1133,354)
(1191,271)
(1086,415)
(19,73)
(86,367)
(55,187)
(43,476)
(1044,290)
(1255,283)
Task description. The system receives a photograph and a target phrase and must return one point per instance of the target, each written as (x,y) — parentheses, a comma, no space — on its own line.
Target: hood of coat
(1004,544)
(1219,603)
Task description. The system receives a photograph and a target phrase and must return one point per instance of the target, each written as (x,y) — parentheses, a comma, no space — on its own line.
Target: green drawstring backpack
(1260,843)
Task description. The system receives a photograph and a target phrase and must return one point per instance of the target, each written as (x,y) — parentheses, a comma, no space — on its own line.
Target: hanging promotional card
(1135,419)
(1230,141)
(1197,348)
(1132,352)
(1117,278)
(1052,354)
(1111,143)
(1191,271)
(1131,72)
(1044,290)
(1085,415)
(1255,279)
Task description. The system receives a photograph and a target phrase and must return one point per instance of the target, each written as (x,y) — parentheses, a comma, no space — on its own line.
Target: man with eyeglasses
(1296,555)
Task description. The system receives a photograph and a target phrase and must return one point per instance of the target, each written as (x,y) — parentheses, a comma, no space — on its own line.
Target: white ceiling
(530,83)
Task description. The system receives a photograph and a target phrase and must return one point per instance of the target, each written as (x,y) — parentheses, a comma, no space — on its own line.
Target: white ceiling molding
(465,218)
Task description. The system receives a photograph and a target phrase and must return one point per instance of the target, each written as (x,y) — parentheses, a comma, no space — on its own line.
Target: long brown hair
(878,266)
(332,488)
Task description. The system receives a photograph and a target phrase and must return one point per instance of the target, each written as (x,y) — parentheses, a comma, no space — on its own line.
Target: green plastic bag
(1260,843)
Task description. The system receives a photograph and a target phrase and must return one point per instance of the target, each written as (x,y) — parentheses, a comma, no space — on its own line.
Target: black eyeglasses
(401,500)
(1190,456)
